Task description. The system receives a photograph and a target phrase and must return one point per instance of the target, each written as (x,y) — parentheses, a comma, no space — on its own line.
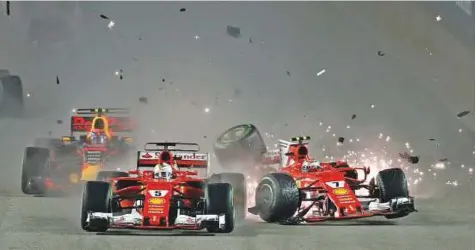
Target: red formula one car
(301,189)
(163,192)
(56,165)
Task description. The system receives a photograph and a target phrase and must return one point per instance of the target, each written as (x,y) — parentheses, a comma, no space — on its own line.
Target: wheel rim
(235,134)
(265,196)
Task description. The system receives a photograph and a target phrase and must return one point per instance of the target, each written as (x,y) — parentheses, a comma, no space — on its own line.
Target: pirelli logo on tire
(157,201)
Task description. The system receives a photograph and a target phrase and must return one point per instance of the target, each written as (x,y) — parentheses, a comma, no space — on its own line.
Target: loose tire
(96,198)
(239,143)
(238,183)
(11,96)
(219,200)
(392,183)
(34,170)
(277,197)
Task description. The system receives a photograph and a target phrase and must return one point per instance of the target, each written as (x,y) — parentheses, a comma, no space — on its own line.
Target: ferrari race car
(302,189)
(55,165)
(164,191)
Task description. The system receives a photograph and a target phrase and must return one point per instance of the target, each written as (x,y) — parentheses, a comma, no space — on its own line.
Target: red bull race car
(164,191)
(56,165)
(301,189)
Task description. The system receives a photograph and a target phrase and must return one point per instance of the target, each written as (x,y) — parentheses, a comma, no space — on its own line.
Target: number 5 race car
(163,192)
(302,189)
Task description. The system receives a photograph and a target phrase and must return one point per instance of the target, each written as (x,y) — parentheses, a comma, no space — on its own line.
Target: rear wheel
(237,182)
(96,198)
(277,197)
(219,200)
(239,144)
(36,163)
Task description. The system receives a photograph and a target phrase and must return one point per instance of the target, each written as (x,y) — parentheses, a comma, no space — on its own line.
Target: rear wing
(83,121)
(172,146)
(182,159)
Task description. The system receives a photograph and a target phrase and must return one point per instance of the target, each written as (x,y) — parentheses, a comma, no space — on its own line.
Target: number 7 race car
(163,192)
(57,165)
(302,189)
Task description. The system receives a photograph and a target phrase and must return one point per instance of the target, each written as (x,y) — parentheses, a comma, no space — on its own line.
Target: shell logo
(341,191)
(157,201)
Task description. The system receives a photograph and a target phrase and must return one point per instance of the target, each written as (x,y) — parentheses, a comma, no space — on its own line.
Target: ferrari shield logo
(157,201)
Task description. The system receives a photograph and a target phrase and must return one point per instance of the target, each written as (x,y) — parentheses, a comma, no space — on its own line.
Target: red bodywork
(159,195)
(332,181)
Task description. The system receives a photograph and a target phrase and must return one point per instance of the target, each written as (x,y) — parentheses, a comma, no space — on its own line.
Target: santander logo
(147,156)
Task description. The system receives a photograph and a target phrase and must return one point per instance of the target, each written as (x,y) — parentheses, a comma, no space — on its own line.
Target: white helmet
(163,170)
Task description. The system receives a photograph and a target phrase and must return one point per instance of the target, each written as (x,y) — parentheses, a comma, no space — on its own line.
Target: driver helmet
(163,170)
(98,138)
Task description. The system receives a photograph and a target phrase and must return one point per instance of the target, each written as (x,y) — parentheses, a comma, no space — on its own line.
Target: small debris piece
(163,79)
(104,17)
(111,24)
(321,72)
(438,18)
(205,137)
(233,31)
(59,121)
(410,158)
(341,139)
(354,116)
(57,80)
(183,9)
(380,53)
(143,99)
(464,113)
(140,38)
(443,160)
(8,8)
(251,41)
(432,139)
(288,73)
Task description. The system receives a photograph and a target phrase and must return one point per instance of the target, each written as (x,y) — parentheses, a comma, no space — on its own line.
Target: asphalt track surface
(416,96)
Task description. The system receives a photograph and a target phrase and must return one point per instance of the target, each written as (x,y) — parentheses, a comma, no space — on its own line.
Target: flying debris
(57,80)
(341,139)
(321,72)
(443,160)
(111,24)
(464,113)
(163,79)
(438,18)
(410,158)
(183,9)
(380,53)
(233,31)
(143,99)
(104,17)
(251,41)
(59,121)
(7,8)
(288,73)
(354,116)
(120,74)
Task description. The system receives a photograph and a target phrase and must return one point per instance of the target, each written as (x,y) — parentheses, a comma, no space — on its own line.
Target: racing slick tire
(11,96)
(238,183)
(96,198)
(219,200)
(239,143)
(35,164)
(277,197)
(107,175)
(392,183)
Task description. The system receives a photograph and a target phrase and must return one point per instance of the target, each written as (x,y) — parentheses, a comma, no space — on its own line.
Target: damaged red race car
(302,189)
(54,165)
(163,192)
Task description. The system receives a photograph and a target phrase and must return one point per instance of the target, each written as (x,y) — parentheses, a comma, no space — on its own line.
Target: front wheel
(96,198)
(36,162)
(219,201)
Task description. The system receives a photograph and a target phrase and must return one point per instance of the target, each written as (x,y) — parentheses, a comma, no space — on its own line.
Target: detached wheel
(392,183)
(277,197)
(238,183)
(36,163)
(11,96)
(219,200)
(96,198)
(238,144)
